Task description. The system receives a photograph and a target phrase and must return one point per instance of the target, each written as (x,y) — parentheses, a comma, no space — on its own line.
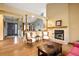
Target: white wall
(1,27)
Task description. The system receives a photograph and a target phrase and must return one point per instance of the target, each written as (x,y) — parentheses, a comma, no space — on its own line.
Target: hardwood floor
(8,48)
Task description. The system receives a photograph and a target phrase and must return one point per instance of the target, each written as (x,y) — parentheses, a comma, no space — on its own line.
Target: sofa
(74,51)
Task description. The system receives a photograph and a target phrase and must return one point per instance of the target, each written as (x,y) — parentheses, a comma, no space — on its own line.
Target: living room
(50,28)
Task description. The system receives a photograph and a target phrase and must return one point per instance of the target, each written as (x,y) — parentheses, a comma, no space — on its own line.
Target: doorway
(12,29)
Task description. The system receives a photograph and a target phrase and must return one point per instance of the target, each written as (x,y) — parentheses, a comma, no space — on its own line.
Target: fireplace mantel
(56,27)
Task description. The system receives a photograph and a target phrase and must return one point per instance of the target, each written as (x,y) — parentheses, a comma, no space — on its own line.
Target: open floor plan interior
(39,29)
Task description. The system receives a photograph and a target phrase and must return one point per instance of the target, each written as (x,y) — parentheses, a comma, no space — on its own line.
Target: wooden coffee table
(47,50)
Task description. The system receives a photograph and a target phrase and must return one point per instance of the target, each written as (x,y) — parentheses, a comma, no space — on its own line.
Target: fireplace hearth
(59,34)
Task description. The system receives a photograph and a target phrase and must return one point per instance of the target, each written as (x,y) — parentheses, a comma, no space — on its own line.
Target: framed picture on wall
(59,23)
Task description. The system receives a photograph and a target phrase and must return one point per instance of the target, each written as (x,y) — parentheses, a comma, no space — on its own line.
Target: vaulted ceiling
(37,8)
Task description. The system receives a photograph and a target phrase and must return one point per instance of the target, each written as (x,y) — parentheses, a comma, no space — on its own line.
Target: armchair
(28,37)
(45,35)
(33,37)
(39,35)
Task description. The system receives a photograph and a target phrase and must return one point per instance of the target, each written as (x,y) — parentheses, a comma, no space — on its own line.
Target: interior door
(12,29)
